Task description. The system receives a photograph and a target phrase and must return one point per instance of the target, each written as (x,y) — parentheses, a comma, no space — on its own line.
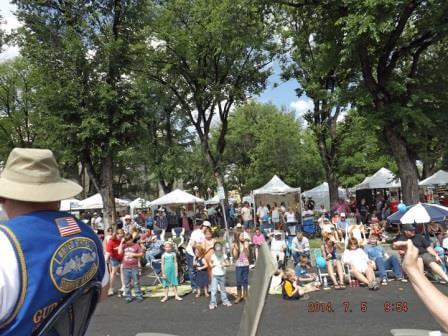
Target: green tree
(263,141)
(315,49)
(212,55)
(86,53)
(18,105)
(386,44)
(389,41)
(361,152)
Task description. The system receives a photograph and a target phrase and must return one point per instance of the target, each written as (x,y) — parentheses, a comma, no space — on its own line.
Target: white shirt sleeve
(9,278)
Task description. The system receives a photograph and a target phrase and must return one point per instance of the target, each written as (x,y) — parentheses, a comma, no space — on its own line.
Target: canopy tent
(382,179)
(69,204)
(277,191)
(139,203)
(321,195)
(439,178)
(212,201)
(177,197)
(96,202)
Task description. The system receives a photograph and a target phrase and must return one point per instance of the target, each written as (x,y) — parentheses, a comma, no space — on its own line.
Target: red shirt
(393,206)
(128,260)
(112,249)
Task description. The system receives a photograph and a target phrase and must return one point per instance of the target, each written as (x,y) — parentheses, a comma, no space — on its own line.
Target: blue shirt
(374,251)
(149,222)
(56,254)
(342,225)
(300,271)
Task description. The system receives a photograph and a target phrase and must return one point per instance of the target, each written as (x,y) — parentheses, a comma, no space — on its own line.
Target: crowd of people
(351,248)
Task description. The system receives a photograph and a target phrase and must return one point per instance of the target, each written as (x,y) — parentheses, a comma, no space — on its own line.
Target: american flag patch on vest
(67,226)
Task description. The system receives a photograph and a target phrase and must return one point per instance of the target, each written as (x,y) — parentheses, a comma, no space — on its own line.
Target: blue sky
(283,95)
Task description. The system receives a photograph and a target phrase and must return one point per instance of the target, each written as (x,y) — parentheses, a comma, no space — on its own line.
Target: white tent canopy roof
(69,204)
(139,203)
(321,195)
(212,201)
(177,197)
(275,187)
(441,177)
(96,202)
(382,179)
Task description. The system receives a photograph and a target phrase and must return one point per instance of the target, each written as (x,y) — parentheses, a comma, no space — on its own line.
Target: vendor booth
(277,191)
(321,195)
(96,202)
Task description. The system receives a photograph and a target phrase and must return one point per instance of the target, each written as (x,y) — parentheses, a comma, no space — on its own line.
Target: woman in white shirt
(291,220)
(360,265)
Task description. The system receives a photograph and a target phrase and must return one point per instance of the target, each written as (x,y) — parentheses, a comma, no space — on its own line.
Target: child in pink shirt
(257,240)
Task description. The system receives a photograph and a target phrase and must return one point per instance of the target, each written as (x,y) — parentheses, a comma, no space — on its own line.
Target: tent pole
(254,216)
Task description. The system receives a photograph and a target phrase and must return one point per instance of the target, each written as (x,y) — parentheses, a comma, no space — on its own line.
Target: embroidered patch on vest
(73,264)
(67,226)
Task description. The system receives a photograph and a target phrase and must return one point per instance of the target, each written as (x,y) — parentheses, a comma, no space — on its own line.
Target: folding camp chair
(309,227)
(73,316)
(155,268)
(324,272)
(321,272)
(178,236)
(160,234)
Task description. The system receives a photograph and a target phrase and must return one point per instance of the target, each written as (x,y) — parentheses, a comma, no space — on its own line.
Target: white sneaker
(110,292)
(211,307)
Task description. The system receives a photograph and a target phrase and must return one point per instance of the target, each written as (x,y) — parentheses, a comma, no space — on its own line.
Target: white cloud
(9,52)
(9,23)
(302,106)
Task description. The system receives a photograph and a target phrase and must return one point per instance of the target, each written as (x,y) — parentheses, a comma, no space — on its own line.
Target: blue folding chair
(309,227)
(73,316)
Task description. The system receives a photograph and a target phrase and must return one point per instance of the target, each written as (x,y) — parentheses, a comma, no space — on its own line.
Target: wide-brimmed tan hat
(32,175)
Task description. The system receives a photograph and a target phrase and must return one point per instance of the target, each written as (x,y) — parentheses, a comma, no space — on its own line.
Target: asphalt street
(354,311)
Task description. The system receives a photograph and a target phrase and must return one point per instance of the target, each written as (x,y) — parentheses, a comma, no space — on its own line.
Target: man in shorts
(427,256)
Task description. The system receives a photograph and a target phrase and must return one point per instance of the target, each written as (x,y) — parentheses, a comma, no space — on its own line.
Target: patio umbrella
(419,214)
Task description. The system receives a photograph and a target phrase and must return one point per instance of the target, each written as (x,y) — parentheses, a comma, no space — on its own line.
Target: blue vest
(57,254)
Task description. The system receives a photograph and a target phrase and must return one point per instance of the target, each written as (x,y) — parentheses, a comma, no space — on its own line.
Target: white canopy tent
(382,179)
(277,191)
(177,197)
(69,204)
(138,203)
(439,178)
(96,202)
(321,195)
(213,201)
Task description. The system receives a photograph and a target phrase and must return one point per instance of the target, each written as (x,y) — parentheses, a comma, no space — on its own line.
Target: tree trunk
(330,171)
(333,187)
(406,166)
(167,186)
(107,192)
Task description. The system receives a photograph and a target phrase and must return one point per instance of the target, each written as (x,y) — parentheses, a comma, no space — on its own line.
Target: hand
(438,259)
(411,256)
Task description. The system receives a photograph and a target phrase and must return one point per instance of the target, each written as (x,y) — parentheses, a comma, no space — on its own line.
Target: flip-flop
(337,287)
(342,286)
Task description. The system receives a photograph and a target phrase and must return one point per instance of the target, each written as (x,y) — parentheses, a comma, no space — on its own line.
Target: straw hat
(32,175)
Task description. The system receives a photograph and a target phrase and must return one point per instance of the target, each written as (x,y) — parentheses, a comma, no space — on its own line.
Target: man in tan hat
(45,254)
